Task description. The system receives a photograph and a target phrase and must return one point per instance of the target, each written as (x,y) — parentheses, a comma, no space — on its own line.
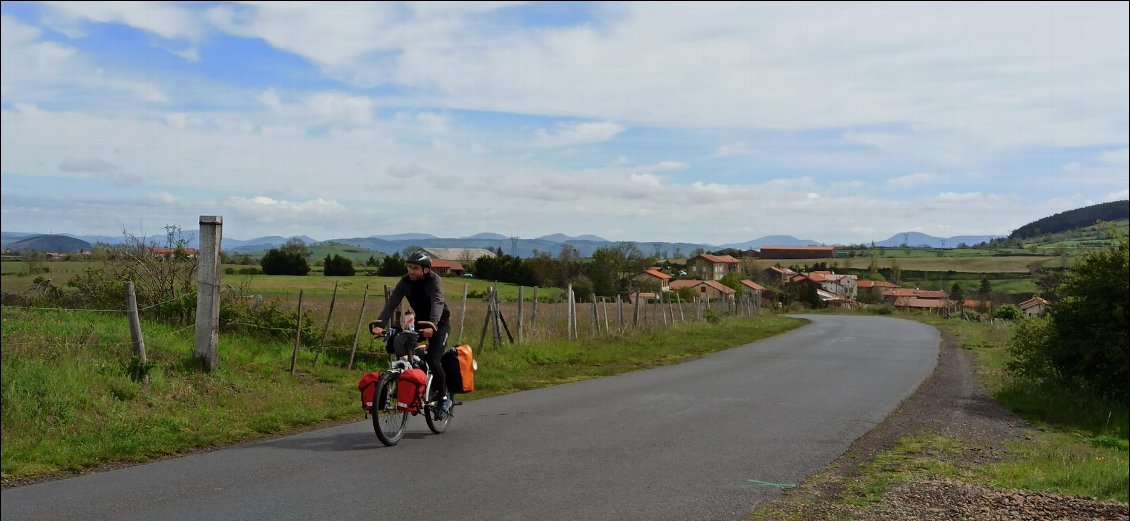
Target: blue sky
(697,122)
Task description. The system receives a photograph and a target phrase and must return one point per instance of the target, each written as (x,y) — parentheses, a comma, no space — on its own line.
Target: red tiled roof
(863,284)
(752,285)
(718,286)
(656,273)
(809,248)
(684,283)
(919,293)
(169,251)
(451,265)
(720,258)
(1032,302)
(920,303)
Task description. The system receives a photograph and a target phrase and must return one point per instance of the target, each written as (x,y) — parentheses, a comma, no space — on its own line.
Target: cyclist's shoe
(442,411)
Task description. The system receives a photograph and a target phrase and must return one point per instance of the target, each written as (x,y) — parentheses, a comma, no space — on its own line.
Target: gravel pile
(945,499)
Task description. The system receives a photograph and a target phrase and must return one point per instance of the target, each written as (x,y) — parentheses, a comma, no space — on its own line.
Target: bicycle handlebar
(423,324)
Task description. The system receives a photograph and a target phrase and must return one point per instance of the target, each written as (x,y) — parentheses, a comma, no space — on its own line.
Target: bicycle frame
(389,421)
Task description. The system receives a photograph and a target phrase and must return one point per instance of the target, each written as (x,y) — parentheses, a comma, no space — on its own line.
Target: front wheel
(437,426)
(388,422)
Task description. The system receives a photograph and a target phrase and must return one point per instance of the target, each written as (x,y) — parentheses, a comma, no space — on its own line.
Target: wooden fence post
(357,332)
(297,336)
(569,311)
(636,311)
(462,314)
(595,318)
(520,314)
(326,327)
(135,329)
(534,311)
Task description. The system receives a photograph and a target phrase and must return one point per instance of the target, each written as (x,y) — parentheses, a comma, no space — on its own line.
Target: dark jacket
(425,296)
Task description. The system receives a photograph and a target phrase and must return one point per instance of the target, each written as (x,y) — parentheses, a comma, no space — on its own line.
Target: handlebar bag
(410,390)
(402,343)
(368,388)
(459,369)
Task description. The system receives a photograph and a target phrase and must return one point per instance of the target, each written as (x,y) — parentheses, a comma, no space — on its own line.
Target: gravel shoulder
(951,404)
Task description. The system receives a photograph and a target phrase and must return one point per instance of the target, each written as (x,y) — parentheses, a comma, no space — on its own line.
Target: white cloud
(34,69)
(737,148)
(1120,157)
(572,134)
(163,19)
(913,180)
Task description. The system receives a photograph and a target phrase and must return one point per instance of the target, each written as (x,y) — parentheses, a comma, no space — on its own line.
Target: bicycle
(390,417)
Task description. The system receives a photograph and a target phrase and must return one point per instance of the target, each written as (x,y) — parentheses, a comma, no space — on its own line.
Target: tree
(873,269)
(957,294)
(283,262)
(985,289)
(296,246)
(731,281)
(896,272)
(1085,342)
(338,266)
(392,266)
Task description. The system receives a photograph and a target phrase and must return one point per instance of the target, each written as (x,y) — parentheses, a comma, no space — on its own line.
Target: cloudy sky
(698,122)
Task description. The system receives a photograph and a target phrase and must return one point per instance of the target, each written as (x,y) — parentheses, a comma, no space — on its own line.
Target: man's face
(415,271)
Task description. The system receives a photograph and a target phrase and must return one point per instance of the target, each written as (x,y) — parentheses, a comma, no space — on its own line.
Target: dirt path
(950,403)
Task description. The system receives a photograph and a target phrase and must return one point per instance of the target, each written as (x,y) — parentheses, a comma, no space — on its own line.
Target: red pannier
(368,388)
(410,390)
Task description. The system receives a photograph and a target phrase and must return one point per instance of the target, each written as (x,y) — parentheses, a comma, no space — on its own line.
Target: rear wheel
(388,422)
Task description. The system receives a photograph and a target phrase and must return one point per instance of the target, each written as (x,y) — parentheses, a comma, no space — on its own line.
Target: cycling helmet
(421,259)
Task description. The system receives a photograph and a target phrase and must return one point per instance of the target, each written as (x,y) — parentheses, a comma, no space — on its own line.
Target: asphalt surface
(706,439)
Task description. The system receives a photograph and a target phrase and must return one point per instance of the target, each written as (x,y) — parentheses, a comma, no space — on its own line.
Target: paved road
(678,442)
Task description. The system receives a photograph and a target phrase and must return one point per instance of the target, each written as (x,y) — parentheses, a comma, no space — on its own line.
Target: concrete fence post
(208,292)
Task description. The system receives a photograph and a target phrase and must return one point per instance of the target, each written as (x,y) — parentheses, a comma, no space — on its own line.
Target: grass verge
(69,402)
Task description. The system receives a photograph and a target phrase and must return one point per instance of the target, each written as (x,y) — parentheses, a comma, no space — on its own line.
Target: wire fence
(483,322)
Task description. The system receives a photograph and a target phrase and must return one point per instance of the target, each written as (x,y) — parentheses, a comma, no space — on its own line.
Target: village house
(843,286)
(872,290)
(444,267)
(707,289)
(1034,307)
(777,275)
(460,255)
(712,267)
(654,275)
(917,299)
(752,287)
(168,252)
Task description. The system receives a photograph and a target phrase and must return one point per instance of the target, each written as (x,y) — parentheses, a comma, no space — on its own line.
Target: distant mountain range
(552,244)
(916,239)
(48,243)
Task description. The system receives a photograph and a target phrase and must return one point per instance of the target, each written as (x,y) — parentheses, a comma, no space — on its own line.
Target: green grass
(317,285)
(68,402)
(1083,447)
(1067,464)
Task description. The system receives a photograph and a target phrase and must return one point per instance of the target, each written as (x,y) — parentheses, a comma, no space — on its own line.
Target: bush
(1008,312)
(338,266)
(1085,344)
(281,262)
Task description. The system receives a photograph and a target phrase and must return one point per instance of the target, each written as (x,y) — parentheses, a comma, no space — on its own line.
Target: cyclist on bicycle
(424,290)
